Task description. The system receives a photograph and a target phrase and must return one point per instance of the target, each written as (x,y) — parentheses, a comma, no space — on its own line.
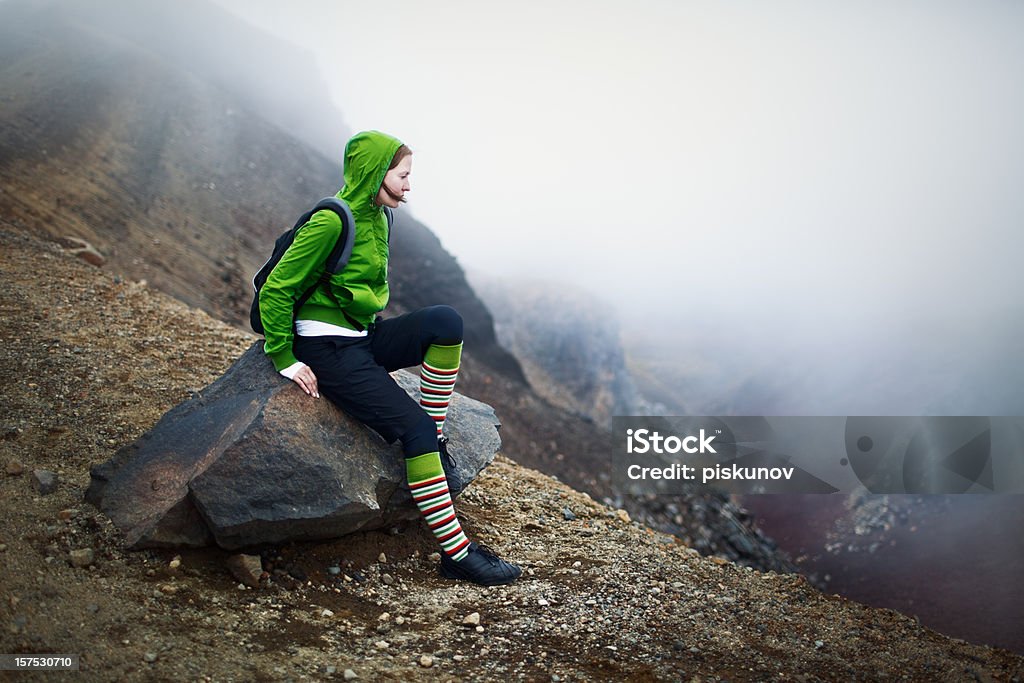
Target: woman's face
(396,184)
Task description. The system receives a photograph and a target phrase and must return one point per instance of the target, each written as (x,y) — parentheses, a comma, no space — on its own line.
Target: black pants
(352,372)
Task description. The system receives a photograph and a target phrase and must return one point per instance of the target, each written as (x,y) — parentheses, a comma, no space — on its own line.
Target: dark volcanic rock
(44,482)
(252,460)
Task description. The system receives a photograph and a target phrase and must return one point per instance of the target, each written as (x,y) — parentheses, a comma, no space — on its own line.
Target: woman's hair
(401,153)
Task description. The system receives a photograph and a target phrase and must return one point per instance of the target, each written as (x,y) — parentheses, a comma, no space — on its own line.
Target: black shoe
(448,464)
(480,566)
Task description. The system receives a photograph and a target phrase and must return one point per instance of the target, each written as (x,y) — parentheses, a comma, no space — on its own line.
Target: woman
(342,349)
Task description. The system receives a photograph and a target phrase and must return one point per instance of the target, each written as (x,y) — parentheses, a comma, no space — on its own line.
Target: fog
(820,199)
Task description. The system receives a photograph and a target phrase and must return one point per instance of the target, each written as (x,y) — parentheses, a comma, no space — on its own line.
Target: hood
(367,157)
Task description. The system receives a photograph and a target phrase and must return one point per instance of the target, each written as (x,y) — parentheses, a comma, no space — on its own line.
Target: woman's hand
(301,374)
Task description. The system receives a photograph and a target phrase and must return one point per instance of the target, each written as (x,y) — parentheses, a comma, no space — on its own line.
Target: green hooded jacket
(361,288)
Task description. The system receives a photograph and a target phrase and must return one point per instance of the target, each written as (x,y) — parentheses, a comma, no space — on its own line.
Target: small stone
(246,568)
(542,602)
(458,658)
(399,620)
(479,629)
(472,619)
(3,547)
(330,670)
(568,514)
(382,558)
(150,657)
(426,661)
(382,645)
(388,579)
(82,557)
(15,468)
(334,571)
(168,589)
(577,563)
(175,563)
(44,482)
(819,643)
(18,624)
(434,557)
(92,608)
(327,613)
(555,678)
(623,516)
(385,616)
(350,675)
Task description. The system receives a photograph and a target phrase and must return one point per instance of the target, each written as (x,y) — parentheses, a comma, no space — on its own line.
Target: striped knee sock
(437,380)
(430,491)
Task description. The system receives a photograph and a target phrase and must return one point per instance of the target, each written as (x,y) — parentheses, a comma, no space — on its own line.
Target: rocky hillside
(93,359)
(178,173)
(568,345)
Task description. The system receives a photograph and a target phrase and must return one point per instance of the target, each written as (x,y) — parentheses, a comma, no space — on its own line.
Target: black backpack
(335,263)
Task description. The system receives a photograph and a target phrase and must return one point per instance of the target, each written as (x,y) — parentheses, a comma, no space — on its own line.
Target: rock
(568,514)
(350,675)
(175,563)
(334,571)
(388,579)
(246,568)
(382,558)
(382,645)
(622,515)
(150,657)
(15,468)
(434,557)
(426,661)
(82,557)
(542,602)
(251,460)
(66,515)
(399,620)
(44,481)
(472,619)
(83,250)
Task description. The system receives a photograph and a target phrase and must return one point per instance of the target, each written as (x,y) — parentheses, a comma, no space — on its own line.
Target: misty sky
(803,175)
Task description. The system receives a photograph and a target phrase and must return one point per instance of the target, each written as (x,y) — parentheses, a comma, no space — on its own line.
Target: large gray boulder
(252,460)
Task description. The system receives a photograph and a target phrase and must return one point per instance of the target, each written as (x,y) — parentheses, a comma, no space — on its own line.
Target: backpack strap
(390,213)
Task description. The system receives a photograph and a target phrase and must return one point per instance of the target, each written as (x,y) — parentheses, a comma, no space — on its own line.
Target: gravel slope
(91,362)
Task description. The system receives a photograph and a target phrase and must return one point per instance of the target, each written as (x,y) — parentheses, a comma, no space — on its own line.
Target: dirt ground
(91,361)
